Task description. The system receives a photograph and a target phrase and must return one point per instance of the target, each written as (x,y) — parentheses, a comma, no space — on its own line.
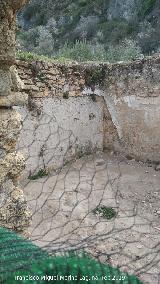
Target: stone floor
(62,205)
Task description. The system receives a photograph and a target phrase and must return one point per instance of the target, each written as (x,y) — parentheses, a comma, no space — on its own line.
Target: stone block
(5,82)
(11,165)
(14,99)
(10,126)
(17,84)
(14,213)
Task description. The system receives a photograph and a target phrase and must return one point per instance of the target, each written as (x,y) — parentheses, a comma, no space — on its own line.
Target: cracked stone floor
(62,206)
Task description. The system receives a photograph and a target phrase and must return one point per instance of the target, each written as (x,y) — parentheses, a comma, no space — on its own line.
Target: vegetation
(105,212)
(146,7)
(30,56)
(83,51)
(90,30)
(66,95)
(94,77)
(40,174)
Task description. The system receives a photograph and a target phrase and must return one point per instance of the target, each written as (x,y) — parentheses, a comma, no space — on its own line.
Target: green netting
(73,269)
(23,262)
(16,253)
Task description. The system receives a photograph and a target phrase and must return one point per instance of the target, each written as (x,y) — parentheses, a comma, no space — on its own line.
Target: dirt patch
(63,204)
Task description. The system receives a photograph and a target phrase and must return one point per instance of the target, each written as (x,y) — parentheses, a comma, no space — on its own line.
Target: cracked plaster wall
(75,110)
(65,129)
(132,94)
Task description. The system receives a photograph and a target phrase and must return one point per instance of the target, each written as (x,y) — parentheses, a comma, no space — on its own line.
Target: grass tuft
(40,174)
(105,212)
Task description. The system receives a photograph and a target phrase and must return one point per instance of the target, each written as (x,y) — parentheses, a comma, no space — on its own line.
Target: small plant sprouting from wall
(40,174)
(41,77)
(91,116)
(105,212)
(94,76)
(93,97)
(36,68)
(66,95)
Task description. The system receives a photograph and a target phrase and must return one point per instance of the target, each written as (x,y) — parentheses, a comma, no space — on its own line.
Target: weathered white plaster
(66,128)
(97,91)
(137,120)
(128,120)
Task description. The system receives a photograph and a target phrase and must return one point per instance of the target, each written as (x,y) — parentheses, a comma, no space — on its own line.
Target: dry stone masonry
(13,208)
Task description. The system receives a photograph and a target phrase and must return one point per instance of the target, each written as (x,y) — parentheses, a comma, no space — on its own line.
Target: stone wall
(77,109)
(62,120)
(13,207)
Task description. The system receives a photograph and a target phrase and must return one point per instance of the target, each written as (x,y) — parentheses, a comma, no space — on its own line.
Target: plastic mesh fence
(23,262)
